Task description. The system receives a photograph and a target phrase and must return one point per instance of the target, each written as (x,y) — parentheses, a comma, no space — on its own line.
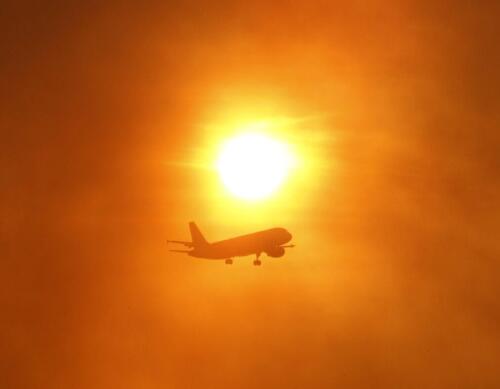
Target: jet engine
(276,252)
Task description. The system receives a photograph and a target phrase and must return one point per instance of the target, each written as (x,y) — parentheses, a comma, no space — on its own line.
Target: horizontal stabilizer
(187,244)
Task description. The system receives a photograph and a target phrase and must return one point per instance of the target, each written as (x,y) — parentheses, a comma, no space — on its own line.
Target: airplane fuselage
(267,241)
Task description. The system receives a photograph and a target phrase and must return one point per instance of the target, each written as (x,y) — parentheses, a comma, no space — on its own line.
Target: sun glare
(252,165)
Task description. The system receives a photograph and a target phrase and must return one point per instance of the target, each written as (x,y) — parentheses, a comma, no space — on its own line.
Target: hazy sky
(110,118)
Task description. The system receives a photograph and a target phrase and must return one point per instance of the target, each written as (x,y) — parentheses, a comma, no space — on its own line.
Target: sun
(252,166)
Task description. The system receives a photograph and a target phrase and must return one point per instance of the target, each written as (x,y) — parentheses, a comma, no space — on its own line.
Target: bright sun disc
(252,166)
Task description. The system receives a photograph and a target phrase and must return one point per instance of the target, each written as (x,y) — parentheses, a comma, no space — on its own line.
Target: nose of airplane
(288,236)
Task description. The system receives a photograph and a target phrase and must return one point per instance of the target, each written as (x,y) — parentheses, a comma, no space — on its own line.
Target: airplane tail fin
(196,235)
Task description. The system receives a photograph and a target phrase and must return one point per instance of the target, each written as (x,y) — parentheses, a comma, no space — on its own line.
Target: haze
(111,115)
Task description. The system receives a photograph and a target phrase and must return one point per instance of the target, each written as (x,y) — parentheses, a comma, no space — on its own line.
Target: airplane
(272,242)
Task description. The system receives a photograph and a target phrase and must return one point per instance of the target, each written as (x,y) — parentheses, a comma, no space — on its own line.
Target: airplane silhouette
(269,241)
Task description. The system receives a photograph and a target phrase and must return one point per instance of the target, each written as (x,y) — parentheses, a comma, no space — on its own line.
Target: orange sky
(111,115)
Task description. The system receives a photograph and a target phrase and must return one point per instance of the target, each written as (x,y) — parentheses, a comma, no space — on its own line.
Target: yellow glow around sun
(252,166)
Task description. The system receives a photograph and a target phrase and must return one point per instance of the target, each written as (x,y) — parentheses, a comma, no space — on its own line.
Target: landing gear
(257,262)
(229,261)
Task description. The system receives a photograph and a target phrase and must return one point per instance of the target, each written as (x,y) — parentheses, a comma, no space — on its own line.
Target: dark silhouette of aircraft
(269,241)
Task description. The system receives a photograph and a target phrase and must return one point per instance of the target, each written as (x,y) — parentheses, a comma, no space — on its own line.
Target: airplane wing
(187,244)
(180,251)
